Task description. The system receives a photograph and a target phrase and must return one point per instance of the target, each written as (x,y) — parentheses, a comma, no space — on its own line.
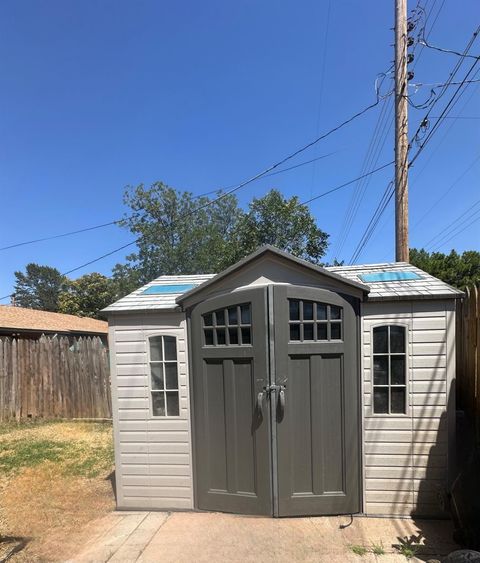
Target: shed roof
(141,301)
(21,319)
(425,287)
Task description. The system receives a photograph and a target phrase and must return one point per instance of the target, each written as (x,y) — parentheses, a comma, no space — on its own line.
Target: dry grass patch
(54,479)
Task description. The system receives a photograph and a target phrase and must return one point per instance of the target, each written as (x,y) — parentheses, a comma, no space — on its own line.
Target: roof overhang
(263,253)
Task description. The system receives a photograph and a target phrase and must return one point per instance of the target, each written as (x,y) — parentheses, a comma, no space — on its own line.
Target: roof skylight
(389,276)
(167,289)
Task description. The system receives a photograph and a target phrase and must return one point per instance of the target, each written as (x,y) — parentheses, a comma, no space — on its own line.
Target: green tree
(284,223)
(454,269)
(87,295)
(177,233)
(180,234)
(39,287)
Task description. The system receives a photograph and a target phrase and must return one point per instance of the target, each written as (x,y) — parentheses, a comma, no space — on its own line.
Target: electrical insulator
(410,75)
(410,58)
(410,41)
(410,26)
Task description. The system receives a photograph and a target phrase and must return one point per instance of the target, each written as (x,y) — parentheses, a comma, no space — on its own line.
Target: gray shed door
(276,403)
(232,436)
(317,426)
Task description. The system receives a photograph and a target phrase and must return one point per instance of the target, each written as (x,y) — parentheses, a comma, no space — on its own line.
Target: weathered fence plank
(468,356)
(54,377)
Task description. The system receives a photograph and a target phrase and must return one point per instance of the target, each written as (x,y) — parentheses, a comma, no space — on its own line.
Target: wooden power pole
(401,133)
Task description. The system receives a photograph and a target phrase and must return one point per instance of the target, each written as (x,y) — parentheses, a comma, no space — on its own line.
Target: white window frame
(408,375)
(149,375)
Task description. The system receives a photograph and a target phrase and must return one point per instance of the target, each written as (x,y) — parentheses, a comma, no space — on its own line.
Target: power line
(70,233)
(462,175)
(447,231)
(328,192)
(60,235)
(202,207)
(459,232)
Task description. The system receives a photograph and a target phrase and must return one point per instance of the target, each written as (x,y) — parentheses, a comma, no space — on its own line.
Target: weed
(378,549)
(17,454)
(408,546)
(359,550)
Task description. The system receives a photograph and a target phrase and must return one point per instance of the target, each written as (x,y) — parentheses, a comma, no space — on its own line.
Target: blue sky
(99,95)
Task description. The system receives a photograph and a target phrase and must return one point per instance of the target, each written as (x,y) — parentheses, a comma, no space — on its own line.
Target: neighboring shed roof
(143,300)
(424,287)
(20,319)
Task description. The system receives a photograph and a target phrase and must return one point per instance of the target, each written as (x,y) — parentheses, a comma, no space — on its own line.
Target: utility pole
(401,133)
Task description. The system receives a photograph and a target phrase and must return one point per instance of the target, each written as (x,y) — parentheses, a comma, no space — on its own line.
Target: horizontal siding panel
(160,437)
(433,361)
(171,503)
(405,460)
(407,472)
(132,392)
(386,448)
(133,403)
(174,459)
(152,469)
(131,370)
(403,423)
(163,448)
(429,386)
(382,509)
(430,374)
(157,481)
(128,347)
(164,424)
(428,336)
(131,381)
(430,323)
(405,484)
(134,335)
(130,359)
(429,399)
(429,412)
(133,414)
(403,497)
(428,348)
(400,436)
(153,491)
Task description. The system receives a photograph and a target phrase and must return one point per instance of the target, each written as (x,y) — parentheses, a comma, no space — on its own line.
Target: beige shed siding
(406,457)
(153,455)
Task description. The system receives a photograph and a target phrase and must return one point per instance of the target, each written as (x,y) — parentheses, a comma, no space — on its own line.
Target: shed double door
(275,402)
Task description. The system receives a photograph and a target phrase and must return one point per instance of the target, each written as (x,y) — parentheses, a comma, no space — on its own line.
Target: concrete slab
(184,537)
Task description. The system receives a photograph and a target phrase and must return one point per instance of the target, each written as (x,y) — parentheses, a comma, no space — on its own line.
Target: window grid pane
(164,376)
(311,321)
(230,326)
(389,370)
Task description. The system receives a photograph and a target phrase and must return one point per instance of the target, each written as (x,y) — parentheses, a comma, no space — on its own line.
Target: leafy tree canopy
(178,233)
(87,296)
(283,223)
(183,234)
(38,287)
(454,269)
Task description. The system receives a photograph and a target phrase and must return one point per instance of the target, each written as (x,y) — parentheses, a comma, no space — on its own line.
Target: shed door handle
(281,402)
(260,402)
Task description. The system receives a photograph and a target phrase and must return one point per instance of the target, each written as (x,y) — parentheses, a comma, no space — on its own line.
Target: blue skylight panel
(166,289)
(389,276)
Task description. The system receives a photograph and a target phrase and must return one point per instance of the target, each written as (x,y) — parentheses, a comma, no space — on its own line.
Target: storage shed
(281,388)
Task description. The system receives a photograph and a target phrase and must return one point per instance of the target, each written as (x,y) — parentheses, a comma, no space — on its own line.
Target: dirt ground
(55,478)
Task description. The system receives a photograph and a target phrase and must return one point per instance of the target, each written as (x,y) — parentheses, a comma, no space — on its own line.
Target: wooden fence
(54,378)
(468,356)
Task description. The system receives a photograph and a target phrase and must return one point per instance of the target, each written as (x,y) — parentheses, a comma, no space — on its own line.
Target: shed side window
(389,370)
(164,376)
